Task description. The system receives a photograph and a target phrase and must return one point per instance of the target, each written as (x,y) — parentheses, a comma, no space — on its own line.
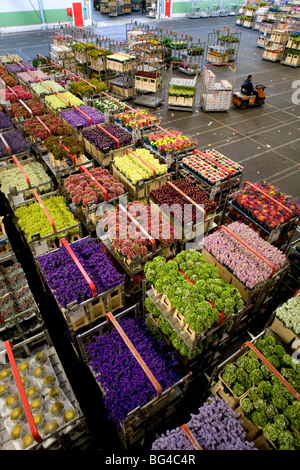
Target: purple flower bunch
(215,427)
(244,264)
(4,121)
(65,279)
(124,382)
(15,141)
(16,68)
(102,141)
(76,118)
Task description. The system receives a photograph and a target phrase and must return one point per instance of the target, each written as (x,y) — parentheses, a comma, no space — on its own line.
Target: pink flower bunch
(83,190)
(241,261)
(127,238)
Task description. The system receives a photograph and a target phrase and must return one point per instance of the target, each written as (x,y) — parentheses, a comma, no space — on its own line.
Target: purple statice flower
(76,118)
(65,279)
(15,141)
(244,264)
(16,68)
(125,384)
(102,141)
(4,121)
(215,427)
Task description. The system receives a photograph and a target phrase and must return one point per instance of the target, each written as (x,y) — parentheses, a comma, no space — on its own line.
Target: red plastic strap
(296,293)
(153,242)
(67,150)
(65,99)
(22,393)
(22,170)
(78,78)
(44,209)
(249,248)
(16,61)
(57,65)
(143,161)
(213,161)
(268,196)
(84,114)
(135,353)
(110,135)
(186,197)
(46,85)
(159,127)
(43,124)
(5,143)
(83,169)
(190,437)
(33,75)
(40,55)
(80,267)
(110,97)
(275,371)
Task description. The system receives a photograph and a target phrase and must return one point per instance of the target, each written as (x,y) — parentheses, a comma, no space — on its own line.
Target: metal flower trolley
(182,91)
(145,418)
(83,312)
(215,173)
(30,165)
(149,81)
(271,224)
(20,315)
(52,430)
(135,264)
(42,244)
(217,95)
(223,45)
(224,384)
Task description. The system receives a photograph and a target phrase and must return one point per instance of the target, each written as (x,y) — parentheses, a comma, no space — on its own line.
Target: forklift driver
(248,86)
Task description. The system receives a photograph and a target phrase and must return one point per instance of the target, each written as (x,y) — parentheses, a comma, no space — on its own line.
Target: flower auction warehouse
(149,250)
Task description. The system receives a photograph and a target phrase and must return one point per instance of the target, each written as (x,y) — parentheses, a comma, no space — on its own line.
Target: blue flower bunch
(125,384)
(65,279)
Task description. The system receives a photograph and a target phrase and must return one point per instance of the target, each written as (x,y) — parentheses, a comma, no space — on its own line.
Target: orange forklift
(242,99)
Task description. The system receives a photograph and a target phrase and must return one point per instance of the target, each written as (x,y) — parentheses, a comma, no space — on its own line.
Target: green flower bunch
(32,219)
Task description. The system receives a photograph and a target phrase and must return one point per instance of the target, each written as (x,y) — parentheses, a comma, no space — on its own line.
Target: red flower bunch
(128,238)
(18,110)
(34,128)
(264,210)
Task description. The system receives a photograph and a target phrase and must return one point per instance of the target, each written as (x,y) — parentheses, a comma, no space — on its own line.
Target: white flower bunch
(289,314)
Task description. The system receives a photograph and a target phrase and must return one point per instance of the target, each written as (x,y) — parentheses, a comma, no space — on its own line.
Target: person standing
(143,6)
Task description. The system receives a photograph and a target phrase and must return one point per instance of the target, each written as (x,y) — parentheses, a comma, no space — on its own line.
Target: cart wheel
(244,105)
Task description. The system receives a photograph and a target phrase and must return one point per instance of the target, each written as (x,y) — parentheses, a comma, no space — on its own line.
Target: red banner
(77,10)
(168,8)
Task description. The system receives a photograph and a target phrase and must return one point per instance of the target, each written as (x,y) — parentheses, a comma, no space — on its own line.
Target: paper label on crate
(274,235)
(78,314)
(41,247)
(168,160)
(2,353)
(18,198)
(213,192)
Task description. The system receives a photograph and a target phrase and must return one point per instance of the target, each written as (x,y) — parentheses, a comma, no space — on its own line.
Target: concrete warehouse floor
(264,140)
